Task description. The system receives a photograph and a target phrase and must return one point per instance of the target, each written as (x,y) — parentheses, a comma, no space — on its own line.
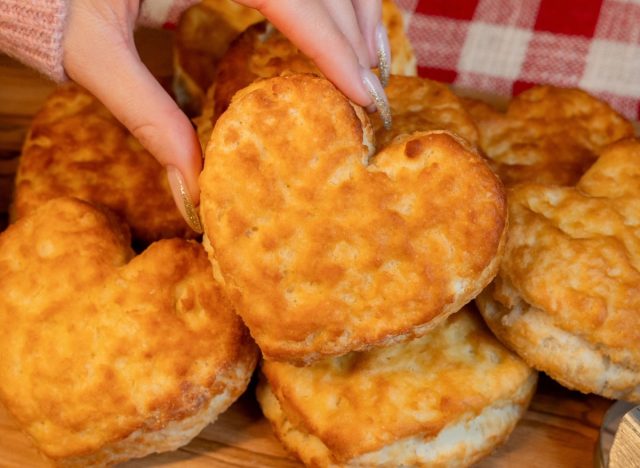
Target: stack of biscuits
(350,256)
(566,296)
(108,355)
(352,253)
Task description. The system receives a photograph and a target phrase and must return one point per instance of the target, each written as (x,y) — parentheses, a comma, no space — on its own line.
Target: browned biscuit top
(98,344)
(260,52)
(323,252)
(361,402)
(575,252)
(419,104)
(548,135)
(76,147)
(263,52)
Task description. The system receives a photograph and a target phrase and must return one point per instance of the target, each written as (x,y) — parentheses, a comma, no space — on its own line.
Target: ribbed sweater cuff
(32,31)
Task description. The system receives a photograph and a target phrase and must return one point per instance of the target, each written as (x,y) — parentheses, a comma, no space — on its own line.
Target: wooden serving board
(559,430)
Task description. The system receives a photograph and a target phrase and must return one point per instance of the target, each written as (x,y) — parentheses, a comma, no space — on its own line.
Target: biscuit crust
(76,147)
(260,52)
(445,399)
(548,135)
(419,104)
(106,356)
(328,249)
(573,255)
(203,35)
(572,360)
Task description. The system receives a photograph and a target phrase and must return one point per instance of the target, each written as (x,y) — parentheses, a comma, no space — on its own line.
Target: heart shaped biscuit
(547,135)
(445,399)
(323,248)
(106,356)
(77,148)
(567,297)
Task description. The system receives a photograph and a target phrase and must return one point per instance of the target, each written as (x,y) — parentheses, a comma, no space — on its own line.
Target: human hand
(100,54)
(344,38)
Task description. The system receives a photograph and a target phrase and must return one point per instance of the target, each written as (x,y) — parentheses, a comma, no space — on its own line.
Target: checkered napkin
(507,46)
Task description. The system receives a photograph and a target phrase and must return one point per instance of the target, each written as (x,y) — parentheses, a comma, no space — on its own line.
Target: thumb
(99,54)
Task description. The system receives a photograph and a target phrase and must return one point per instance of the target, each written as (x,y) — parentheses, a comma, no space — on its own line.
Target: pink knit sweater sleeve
(32,30)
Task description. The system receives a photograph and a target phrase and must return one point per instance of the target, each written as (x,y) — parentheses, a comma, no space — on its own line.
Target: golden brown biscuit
(106,356)
(202,36)
(567,296)
(260,52)
(548,135)
(263,52)
(403,59)
(76,147)
(480,111)
(445,399)
(324,248)
(419,104)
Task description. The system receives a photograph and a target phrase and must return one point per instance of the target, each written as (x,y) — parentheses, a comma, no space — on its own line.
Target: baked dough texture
(263,52)
(446,399)
(548,135)
(325,248)
(567,295)
(106,356)
(259,52)
(76,147)
(420,104)
(203,35)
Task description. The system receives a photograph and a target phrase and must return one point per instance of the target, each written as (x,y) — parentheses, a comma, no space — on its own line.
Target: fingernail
(375,89)
(183,199)
(384,53)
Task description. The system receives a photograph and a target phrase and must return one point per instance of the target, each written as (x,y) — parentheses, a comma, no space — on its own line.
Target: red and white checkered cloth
(507,46)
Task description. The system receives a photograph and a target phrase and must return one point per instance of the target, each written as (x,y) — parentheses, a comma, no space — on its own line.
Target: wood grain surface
(559,430)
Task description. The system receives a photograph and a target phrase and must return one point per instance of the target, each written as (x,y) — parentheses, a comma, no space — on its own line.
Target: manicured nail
(384,54)
(375,89)
(183,198)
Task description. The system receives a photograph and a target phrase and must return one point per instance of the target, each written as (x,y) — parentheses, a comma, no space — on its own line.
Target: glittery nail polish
(384,53)
(376,91)
(183,198)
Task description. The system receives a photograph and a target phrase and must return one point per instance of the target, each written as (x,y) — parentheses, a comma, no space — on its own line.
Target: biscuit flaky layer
(105,355)
(76,147)
(570,359)
(445,399)
(548,135)
(573,258)
(323,252)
